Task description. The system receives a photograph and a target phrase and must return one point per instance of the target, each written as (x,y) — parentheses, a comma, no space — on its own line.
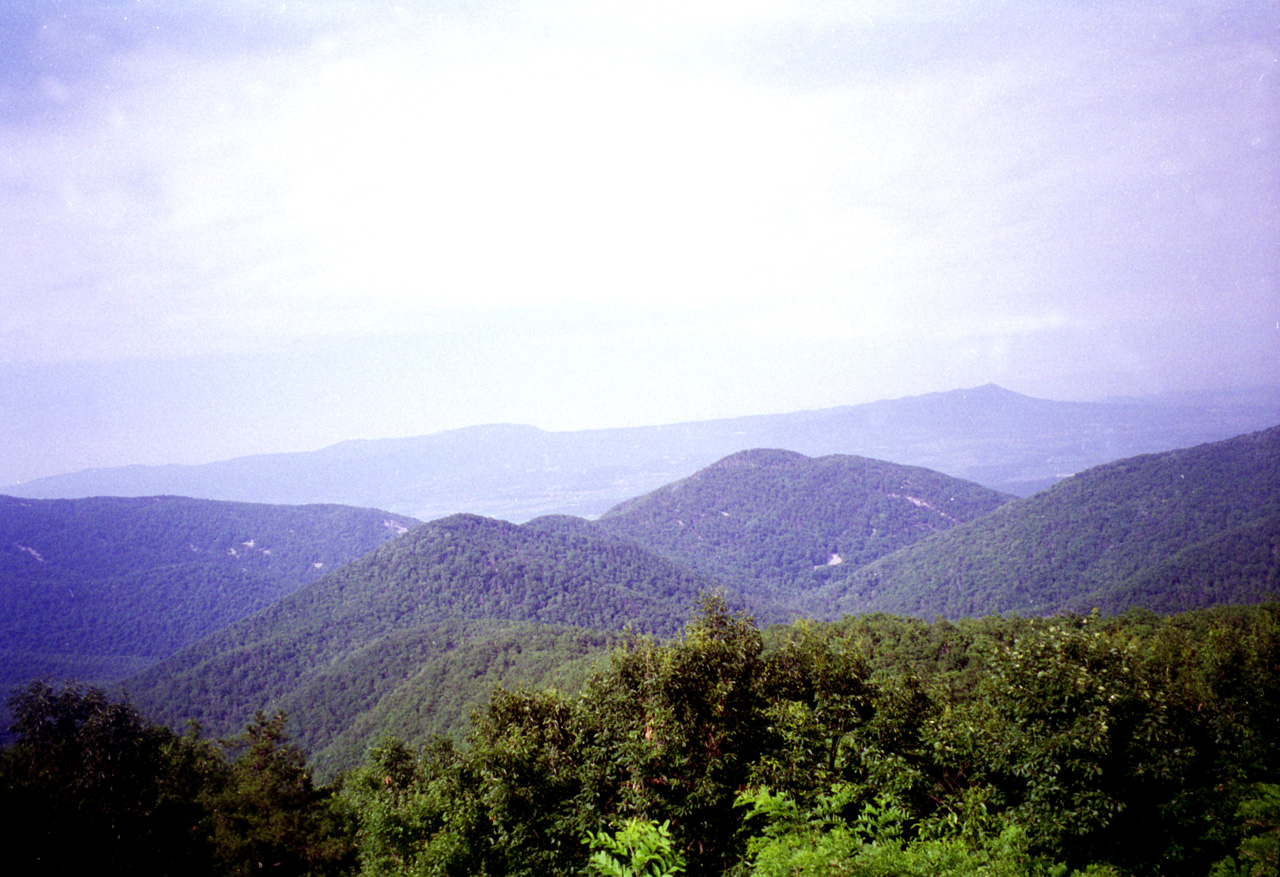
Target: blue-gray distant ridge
(989,435)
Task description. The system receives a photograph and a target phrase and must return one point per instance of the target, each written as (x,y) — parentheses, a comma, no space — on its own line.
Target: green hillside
(442,688)
(1180,530)
(1239,565)
(340,647)
(99,588)
(412,637)
(772,522)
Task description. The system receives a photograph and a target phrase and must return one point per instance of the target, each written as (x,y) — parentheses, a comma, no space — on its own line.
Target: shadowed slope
(1162,531)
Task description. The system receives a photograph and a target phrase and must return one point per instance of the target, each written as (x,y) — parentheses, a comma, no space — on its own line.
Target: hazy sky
(235,227)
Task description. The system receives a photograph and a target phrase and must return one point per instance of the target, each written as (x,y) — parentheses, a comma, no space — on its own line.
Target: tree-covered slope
(1074,745)
(441,689)
(342,644)
(99,587)
(405,638)
(773,522)
(1240,565)
(1178,530)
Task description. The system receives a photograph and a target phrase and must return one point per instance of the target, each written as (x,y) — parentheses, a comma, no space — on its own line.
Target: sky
(241,227)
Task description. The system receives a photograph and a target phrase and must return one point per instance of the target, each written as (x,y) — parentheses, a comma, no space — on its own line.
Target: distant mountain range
(1003,440)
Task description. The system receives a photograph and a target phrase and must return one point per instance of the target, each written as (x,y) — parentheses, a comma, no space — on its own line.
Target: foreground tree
(670,732)
(88,778)
(265,812)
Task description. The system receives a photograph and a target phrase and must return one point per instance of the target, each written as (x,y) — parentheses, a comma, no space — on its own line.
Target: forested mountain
(1180,530)
(1012,744)
(408,630)
(772,522)
(99,588)
(340,646)
(403,637)
(1004,440)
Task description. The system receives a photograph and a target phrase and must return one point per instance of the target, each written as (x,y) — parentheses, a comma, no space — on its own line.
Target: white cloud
(396,175)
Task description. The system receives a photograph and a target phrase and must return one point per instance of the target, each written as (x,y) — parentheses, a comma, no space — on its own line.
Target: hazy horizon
(234,228)
(1241,403)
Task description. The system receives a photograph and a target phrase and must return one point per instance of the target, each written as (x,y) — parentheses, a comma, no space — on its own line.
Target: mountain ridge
(771,522)
(83,577)
(996,437)
(353,652)
(1091,540)
(432,588)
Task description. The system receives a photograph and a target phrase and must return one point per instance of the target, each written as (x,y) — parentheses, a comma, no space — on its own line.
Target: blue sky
(242,227)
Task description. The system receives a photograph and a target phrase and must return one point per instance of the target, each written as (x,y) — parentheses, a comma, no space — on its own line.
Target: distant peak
(758,458)
(989,390)
(987,395)
(466,523)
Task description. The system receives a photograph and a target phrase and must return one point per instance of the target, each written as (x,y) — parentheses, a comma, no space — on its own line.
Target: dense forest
(361,650)
(772,523)
(100,588)
(1168,532)
(336,650)
(1130,745)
